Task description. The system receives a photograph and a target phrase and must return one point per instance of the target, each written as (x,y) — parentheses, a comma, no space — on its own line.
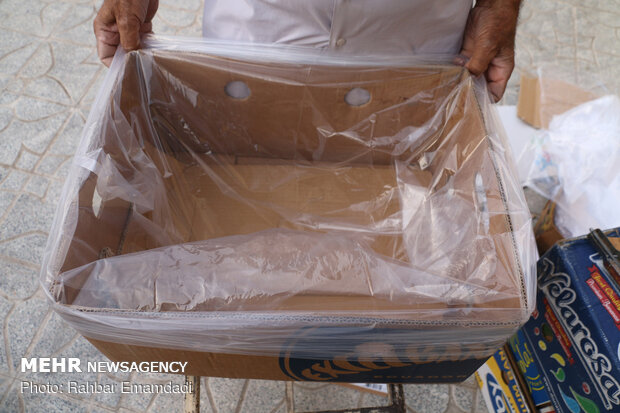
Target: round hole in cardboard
(357,96)
(237,89)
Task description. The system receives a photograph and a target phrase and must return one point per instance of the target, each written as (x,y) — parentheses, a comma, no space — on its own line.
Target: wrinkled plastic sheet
(575,162)
(225,198)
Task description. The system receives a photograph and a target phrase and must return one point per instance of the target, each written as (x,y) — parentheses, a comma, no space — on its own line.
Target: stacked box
(525,366)
(500,387)
(574,333)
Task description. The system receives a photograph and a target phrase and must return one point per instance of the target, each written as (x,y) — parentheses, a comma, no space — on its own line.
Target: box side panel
(283,368)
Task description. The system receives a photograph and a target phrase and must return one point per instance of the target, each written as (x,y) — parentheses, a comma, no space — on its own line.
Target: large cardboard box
(289,234)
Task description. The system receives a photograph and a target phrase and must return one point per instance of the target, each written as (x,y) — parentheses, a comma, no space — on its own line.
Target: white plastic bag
(576,163)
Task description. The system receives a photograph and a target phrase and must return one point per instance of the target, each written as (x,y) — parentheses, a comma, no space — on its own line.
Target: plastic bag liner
(232,198)
(580,175)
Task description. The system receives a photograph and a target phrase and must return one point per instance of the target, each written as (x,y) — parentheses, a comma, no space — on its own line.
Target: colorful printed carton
(499,387)
(574,333)
(527,368)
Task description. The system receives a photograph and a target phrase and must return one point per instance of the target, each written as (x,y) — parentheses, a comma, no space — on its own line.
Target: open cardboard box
(345,273)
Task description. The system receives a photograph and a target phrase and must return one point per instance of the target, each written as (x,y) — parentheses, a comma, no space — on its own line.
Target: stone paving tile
(324,397)
(373,400)
(50,164)
(463,397)
(27,248)
(18,282)
(263,396)
(108,400)
(16,50)
(22,325)
(578,38)
(14,181)
(45,403)
(27,160)
(28,214)
(227,394)
(12,401)
(479,403)
(428,398)
(56,335)
(207,400)
(49,78)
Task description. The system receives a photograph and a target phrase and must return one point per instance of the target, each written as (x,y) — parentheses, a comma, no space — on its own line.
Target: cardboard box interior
(247,144)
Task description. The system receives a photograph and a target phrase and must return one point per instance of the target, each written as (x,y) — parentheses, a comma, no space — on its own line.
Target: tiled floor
(49,73)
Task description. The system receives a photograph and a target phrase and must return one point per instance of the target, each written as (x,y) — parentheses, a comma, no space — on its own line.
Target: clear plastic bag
(575,163)
(225,198)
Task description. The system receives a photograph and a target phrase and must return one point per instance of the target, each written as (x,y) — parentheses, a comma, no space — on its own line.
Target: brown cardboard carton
(186,172)
(545,230)
(541,98)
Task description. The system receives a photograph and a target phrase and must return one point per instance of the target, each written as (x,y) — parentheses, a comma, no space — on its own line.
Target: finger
(106,34)
(129,17)
(152,9)
(105,52)
(129,29)
(484,51)
(107,61)
(497,87)
(497,90)
(499,73)
(146,27)
(105,15)
(469,36)
(107,43)
(460,60)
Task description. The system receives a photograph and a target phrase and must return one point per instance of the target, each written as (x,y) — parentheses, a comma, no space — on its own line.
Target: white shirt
(350,26)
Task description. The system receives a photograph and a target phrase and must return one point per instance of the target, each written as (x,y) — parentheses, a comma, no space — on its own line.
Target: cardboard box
(545,230)
(541,98)
(574,334)
(509,382)
(526,367)
(217,181)
(499,386)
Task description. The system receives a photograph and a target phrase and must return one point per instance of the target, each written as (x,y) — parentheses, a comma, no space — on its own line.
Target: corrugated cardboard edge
(500,183)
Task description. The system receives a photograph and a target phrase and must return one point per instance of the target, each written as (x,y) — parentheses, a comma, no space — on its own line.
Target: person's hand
(489,42)
(121,22)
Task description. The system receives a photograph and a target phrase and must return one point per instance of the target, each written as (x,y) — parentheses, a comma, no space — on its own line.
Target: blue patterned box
(574,333)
